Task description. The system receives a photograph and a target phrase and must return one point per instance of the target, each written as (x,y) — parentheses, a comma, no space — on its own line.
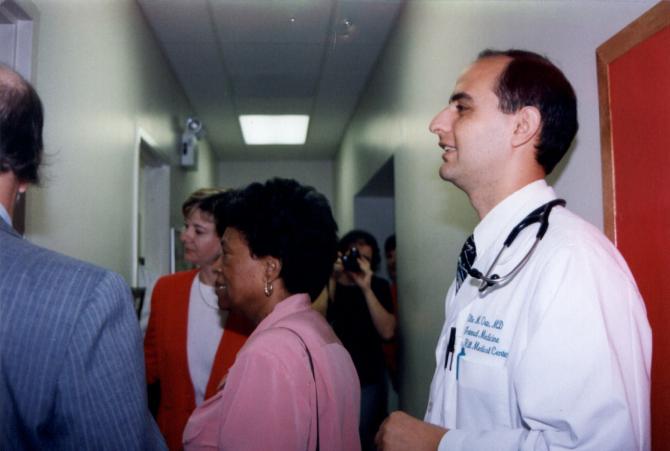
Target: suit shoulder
(40,268)
(30,252)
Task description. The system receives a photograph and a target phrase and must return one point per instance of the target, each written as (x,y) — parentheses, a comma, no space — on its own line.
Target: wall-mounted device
(189,142)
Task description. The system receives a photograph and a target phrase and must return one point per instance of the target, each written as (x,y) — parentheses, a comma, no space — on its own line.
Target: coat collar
(6,228)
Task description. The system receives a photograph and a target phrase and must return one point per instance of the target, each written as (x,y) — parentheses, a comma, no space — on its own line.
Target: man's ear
(23,187)
(526,126)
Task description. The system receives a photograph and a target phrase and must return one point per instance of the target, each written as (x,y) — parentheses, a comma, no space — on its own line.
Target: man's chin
(444,174)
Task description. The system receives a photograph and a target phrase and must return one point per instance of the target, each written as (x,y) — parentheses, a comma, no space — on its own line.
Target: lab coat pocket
(483,395)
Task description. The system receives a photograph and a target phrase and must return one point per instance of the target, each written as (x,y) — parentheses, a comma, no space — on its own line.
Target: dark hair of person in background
(211,203)
(389,244)
(21,122)
(532,80)
(357,236)
(286,220)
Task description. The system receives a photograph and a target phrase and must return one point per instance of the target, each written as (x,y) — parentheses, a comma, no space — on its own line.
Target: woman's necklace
(205,296)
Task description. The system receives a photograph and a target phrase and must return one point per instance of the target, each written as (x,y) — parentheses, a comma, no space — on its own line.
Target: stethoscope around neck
(541,215)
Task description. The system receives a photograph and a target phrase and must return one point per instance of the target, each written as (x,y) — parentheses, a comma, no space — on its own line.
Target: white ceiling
(272,57)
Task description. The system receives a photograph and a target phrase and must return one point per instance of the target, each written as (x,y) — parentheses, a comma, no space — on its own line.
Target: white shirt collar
(4,215)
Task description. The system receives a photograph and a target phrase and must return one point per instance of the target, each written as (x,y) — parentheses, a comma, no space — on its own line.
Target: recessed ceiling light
(260,129)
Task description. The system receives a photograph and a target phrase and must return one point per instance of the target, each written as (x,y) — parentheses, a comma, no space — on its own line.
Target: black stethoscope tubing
(541,215)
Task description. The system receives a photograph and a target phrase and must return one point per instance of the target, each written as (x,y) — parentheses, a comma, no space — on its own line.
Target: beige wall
(433,43)
(101,76)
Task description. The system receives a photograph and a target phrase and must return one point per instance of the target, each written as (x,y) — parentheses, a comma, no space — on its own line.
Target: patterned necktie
(465,261)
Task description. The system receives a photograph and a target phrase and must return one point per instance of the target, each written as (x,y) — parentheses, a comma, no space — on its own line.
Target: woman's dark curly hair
(357,237)
(288,221)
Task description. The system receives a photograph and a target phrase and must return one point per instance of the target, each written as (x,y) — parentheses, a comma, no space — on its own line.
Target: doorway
(374,212)
(151,228)
(374,207)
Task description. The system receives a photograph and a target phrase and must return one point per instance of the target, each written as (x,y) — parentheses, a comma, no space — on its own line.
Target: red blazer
(165,353)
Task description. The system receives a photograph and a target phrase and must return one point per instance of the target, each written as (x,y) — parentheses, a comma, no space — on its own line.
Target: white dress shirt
(205,329)
(558,357)
(4,215)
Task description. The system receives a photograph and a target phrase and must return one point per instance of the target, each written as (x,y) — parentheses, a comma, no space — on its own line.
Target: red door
(634,78)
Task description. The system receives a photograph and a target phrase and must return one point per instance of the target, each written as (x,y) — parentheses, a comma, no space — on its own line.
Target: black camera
(350,260)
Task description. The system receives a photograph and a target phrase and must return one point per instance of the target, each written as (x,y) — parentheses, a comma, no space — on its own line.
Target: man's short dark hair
(361,236)
(531,79)
(292,222)
(21,122)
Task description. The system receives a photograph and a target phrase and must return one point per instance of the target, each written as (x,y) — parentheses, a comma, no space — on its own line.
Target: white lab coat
(557,358)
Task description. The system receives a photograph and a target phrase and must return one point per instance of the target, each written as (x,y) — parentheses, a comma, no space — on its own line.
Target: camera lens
(350,260)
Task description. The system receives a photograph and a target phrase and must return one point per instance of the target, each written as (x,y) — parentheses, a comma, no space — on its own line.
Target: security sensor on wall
(189,148)
(189,142)
(193,125)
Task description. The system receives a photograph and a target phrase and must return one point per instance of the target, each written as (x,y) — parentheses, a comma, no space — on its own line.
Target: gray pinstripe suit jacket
(71,365)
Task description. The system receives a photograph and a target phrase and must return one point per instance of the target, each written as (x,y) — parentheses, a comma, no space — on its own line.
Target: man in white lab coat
(558,353)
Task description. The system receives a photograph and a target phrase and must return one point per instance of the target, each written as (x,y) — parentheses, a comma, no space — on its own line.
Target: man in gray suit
(71,365)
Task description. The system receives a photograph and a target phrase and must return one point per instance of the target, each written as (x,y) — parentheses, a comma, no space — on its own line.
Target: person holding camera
(360,311)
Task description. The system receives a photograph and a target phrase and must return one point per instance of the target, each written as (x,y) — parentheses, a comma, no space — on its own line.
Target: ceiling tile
(273,58)
(179,20)
(272,21)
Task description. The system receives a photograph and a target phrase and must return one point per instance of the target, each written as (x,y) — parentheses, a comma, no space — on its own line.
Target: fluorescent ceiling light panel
(274,129)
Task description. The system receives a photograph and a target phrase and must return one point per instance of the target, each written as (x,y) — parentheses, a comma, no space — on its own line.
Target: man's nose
(440,122)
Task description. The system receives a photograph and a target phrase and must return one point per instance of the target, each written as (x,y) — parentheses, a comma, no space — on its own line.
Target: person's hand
(338,267)
(401,432)
(363,278)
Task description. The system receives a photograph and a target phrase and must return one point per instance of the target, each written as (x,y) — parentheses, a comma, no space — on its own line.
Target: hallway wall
(101,76)
(434,41)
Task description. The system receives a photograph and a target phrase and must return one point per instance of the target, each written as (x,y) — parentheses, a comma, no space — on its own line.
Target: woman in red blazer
(190,343)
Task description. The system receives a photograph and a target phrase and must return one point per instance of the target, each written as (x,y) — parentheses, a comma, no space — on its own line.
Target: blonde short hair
(195,200)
